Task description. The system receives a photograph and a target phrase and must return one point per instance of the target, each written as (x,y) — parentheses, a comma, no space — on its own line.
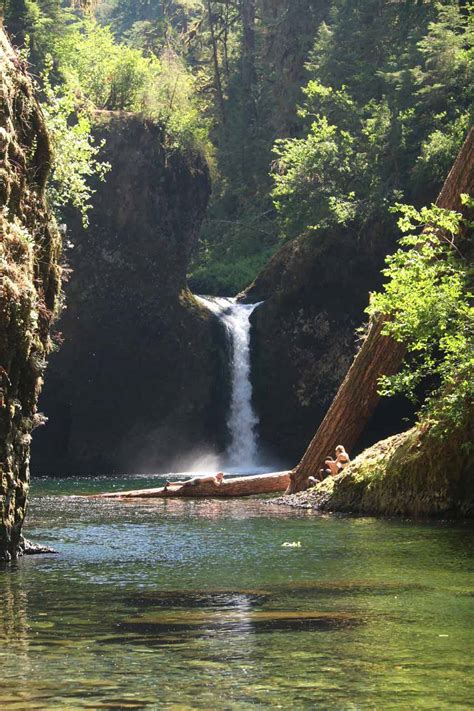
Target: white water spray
(242,421)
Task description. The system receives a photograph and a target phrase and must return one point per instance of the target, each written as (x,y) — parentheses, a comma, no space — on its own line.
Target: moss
(413,473)
(30,279)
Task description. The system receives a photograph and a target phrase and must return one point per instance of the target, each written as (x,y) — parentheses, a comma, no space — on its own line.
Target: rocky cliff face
(138,383)
(30,248)
(315,290)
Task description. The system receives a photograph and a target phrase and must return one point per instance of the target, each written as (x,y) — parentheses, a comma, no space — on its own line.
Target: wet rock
(29,548)
(30,249)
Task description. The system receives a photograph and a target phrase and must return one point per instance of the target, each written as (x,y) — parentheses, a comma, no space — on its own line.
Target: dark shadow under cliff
(141,378)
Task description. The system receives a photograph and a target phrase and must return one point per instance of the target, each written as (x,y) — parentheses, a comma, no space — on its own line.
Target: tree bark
(215,59)
(357,397)
(237,486)
(248,14)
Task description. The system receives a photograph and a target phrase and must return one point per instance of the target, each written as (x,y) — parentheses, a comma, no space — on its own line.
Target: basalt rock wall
(315,290)
(139,383)
(30,248)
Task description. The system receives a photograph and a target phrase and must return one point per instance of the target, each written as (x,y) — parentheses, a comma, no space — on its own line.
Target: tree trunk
(248,14)
(237,486)
(215,59)
(357,397)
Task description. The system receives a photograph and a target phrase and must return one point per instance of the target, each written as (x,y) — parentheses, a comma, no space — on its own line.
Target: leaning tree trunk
(357,397)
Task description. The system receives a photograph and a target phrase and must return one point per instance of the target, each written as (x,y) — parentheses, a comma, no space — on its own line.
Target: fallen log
(358,396)
(235,486)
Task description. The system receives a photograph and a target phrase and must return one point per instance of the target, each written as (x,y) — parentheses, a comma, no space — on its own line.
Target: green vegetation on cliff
(104,73)
(428,304)
(387,98)
(30,249)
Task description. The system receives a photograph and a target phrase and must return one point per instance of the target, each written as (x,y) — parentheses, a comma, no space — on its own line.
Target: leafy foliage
(314,178)
(428,303)
(83,68)
(386,108)
(113,76)
(74,152)
(39,23)
(110,75)
(387,98)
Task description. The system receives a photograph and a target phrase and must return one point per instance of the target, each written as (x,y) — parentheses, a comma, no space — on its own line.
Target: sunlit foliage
(388,103)
(74,151)
(428,302)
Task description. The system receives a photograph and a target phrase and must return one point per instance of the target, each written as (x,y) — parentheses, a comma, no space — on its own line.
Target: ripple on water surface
(187,605)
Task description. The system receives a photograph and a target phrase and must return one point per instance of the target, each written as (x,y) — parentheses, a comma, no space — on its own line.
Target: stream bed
(178,604)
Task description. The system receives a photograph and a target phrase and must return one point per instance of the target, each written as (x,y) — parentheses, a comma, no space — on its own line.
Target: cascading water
(242,452)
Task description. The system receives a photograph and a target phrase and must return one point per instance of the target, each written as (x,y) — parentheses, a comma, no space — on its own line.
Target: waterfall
(242,421)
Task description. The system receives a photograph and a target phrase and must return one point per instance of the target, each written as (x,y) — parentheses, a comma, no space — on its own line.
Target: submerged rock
(213,599)
(141,378)
(30,249)
(164,623)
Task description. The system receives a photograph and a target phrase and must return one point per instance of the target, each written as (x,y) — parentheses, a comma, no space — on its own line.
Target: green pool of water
(198,605)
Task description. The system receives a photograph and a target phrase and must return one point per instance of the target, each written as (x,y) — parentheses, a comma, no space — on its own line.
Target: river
(198,605)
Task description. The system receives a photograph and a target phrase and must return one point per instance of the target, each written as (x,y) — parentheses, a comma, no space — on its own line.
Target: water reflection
(15,629)
(181,604)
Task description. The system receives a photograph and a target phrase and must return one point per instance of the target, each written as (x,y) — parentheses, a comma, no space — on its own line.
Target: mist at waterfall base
(244,455)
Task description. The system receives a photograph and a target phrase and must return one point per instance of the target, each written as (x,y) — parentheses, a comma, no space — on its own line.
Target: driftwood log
(235,486)
(357,397)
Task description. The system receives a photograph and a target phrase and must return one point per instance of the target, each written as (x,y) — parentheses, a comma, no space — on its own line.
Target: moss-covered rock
(139,383)
(30,249)
(413,473)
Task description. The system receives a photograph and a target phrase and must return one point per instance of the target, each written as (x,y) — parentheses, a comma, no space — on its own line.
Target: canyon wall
(140,381)
(30,249)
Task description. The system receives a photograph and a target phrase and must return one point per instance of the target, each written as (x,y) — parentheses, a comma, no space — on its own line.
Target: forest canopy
(312,114)
(386,108)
